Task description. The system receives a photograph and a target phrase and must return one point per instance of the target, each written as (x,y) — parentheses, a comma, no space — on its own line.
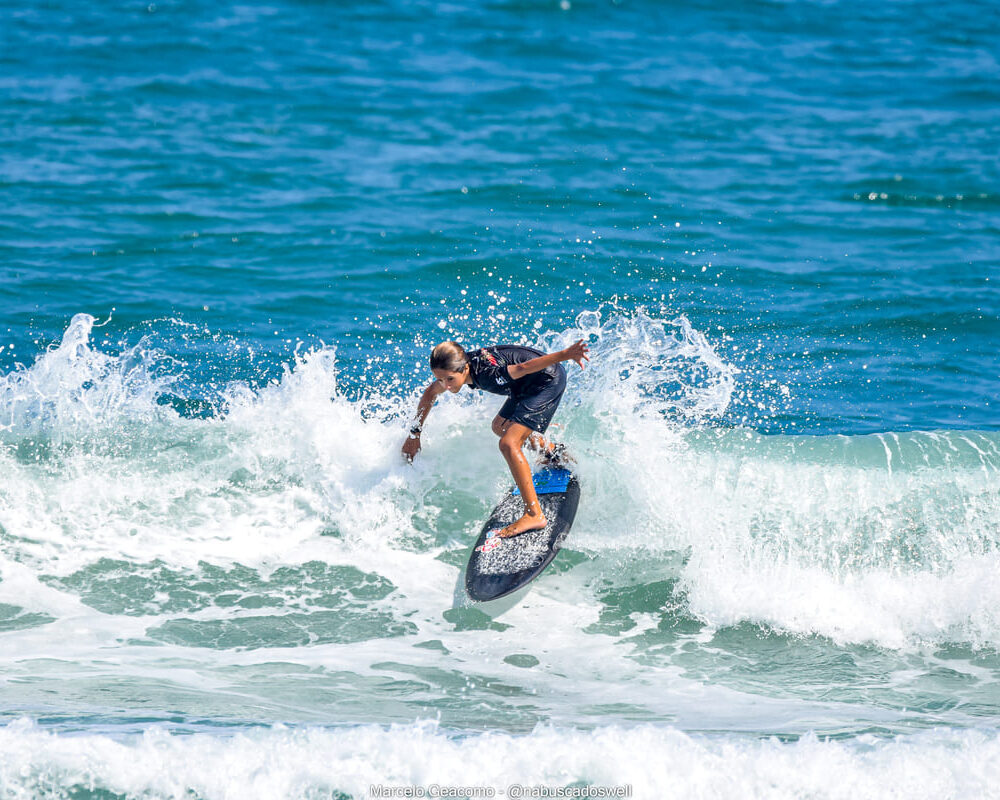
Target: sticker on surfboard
(493,541)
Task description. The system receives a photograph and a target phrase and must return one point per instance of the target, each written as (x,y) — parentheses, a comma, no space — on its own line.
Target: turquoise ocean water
(229,234)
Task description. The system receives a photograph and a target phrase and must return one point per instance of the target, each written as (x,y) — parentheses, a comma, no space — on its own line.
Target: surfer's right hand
(411,446)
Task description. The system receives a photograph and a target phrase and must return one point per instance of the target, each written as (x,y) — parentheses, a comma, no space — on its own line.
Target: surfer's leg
(500,424)
(511,445)
(533,412)
(535,441)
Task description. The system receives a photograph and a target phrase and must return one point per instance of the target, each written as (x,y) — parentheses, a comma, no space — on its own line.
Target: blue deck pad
(549,481)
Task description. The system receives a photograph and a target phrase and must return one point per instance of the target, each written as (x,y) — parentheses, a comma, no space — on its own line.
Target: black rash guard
(488,366)
(533,398)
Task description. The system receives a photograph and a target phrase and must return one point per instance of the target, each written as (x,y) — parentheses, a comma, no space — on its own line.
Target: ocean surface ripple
(229,236)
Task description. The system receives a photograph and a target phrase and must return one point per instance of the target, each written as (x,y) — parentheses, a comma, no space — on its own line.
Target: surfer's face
(452,381)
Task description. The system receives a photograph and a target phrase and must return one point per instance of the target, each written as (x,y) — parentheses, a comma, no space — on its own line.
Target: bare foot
(523,525)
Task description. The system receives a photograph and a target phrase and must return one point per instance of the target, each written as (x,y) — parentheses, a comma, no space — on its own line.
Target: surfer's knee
(513,440)
(510,444)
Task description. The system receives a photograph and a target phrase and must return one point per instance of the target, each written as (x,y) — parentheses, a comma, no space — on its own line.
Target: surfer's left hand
(577,352)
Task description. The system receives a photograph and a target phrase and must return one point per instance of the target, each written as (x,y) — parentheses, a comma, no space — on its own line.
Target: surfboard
(498,566)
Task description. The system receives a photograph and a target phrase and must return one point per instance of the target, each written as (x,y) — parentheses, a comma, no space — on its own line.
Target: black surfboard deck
(498,566)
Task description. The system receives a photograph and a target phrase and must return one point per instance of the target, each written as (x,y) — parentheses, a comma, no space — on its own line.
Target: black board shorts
(536,409)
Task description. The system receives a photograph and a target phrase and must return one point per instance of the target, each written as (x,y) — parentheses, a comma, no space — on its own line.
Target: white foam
(886,539)
(655,762)
(73,388)
(811,536)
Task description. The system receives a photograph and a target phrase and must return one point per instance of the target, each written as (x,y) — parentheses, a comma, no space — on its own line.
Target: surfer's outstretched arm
(412,444)
(575,352)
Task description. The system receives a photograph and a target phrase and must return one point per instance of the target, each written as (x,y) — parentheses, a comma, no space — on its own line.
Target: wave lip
(73,388)
(884,539)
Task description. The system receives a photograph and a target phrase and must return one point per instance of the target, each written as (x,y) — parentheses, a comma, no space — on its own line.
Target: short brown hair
(449,356)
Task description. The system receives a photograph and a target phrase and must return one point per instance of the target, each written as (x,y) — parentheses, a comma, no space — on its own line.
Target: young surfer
(533,382)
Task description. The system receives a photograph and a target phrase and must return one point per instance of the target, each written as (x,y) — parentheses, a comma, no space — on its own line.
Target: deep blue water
(778,223)
(814,185)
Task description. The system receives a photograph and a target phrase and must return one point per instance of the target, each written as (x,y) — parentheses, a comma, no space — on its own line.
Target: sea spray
(863,539)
